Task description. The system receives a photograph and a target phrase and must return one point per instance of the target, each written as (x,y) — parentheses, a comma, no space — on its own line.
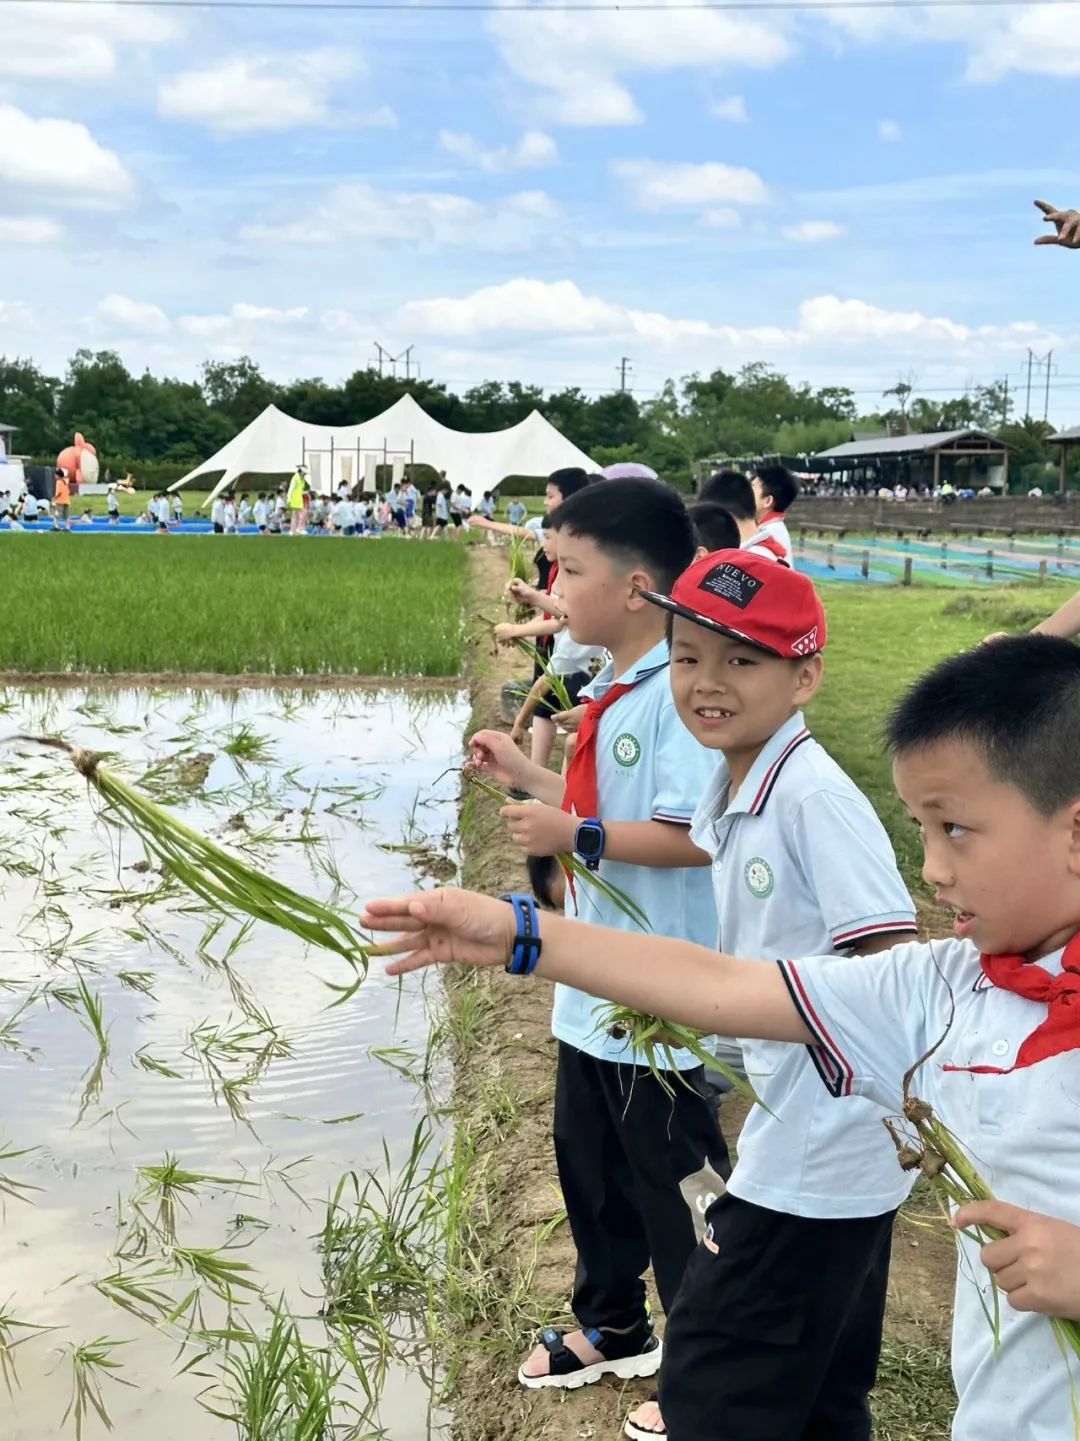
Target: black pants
(622,1146)
(775,1336)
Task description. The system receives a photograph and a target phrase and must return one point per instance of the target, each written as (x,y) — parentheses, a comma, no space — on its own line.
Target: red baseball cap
(752,598)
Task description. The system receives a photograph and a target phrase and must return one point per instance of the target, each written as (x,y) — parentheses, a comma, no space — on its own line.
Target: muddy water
(334,780)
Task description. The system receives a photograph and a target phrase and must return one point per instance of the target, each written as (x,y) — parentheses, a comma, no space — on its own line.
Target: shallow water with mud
(215,1043)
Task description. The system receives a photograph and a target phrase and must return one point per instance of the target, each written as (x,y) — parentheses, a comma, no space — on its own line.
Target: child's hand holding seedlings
(540,830)
(1036,1263)
(495,756)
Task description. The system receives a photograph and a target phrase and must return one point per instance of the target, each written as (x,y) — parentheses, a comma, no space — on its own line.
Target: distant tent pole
(331,462)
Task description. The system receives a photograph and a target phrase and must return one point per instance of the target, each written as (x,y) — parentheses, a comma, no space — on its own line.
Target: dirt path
(526,1245)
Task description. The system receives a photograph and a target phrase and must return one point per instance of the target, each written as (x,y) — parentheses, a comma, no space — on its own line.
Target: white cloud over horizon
(577,62)
(265,92)
(60,159)
(813,232)
(655,186)
(533,150)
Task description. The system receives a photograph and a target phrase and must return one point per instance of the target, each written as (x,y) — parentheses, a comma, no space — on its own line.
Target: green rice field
(285,608)
(880,640)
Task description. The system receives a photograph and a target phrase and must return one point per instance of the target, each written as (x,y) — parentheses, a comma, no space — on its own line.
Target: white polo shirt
(803,865)
(568,657)
(773,528)
(648,767)
(874,1022)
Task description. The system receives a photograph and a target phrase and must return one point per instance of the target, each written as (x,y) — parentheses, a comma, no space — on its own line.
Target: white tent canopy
(275,443)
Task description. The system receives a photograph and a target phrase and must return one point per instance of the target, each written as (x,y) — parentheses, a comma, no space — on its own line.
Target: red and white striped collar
(752,796)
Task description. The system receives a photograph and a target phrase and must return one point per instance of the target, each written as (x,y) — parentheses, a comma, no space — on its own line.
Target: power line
(605,6)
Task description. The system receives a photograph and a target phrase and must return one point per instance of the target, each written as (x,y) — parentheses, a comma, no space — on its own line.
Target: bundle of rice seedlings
(214,874)
(520,569)
(556,683)
(924,1143)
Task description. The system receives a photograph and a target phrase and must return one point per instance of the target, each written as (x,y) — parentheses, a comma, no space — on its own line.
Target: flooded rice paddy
(178,1099)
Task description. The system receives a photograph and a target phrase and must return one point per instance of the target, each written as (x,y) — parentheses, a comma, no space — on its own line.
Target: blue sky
(846,195)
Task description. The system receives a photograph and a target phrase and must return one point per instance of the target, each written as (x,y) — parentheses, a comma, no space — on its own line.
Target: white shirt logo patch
(758,877)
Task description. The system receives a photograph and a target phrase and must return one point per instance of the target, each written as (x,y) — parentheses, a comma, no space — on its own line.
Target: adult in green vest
(295,501)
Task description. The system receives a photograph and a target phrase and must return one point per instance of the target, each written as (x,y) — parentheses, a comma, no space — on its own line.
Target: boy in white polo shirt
(732,490)
(760,1344)
(986,756)
(776,491)
(623,1142)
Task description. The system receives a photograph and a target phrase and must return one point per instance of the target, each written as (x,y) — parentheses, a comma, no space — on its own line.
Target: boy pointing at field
(986,756)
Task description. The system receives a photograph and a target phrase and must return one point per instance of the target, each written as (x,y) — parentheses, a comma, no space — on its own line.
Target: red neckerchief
(552,577)
(773,546)
(580,797)
(774,516)
(1060,1031)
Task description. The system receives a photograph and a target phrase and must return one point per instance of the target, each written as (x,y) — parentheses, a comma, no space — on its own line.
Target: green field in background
(282,606)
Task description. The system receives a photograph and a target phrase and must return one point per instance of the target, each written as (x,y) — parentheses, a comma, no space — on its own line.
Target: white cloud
(722,219)
(890,130)
(576,61)
(1039,40)
(263,92)
(560,308)
(655,186)
(828,319)
(241,318)
(80,43)
(132,317)
(357,211)
(62,159)
(812,232)
(533,150)
(28,230)
(733,108)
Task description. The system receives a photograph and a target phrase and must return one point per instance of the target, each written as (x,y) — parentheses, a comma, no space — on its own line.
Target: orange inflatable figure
(81,463)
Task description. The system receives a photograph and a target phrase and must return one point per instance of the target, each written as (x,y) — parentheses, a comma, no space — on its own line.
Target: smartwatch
(589,841)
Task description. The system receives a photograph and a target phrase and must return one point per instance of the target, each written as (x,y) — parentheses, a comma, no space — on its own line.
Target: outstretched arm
(676,980)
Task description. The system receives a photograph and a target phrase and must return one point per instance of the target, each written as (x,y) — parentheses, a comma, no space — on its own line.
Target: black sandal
(627,1354)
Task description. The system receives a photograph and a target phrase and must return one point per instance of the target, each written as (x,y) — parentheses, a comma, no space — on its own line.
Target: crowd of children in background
(292,508)
(693,787)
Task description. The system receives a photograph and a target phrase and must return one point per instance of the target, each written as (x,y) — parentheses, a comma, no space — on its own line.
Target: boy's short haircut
(635,522)
(714,527)
(732,490)
(778,481)
(1017,701)
(570,480)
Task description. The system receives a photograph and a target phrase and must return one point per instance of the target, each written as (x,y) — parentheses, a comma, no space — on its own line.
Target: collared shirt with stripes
(802,866)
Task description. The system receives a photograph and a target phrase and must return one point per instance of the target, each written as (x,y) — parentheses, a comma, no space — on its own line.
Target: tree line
(159,427)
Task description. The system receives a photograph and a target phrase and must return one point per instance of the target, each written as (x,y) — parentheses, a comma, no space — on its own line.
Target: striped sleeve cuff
(675,818)
(854,931)
(832,1065)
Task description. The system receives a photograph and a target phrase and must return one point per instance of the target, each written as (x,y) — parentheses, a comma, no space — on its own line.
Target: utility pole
(1005,403)
(1046,403)
(623,367)
(382,356)
(408,362)
(1037,362)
